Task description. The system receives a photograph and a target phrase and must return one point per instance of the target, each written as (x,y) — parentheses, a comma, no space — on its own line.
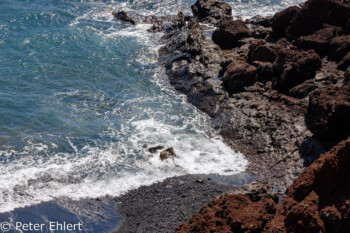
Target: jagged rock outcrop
(328,114)
(211,11)
(317,201)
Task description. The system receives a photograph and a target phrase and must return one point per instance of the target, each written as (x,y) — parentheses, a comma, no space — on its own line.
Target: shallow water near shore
(82,98)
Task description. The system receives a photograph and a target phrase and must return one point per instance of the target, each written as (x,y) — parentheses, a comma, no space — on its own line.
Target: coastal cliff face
(317,201)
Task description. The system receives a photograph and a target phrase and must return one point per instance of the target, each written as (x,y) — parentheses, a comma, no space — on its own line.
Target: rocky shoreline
(277,90)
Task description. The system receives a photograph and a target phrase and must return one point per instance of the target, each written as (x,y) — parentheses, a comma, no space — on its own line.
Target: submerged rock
(155,149)
(168,153)
(211,11)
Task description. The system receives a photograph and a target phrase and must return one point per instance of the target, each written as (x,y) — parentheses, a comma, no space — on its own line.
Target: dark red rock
(347,75)
(302,68)
(260,20)
(303,90)
(168,153)
(339,47)
(211,11)
(315,13)
(317,201)
(229,33)
(234,213)
(345,62)
(291,66)
(319,41)
(281,20)
(238,75)
(328,113)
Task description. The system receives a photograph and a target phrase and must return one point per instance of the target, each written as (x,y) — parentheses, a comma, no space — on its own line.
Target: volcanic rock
(229,33)
(280,21)
(134,18)
(303,90)
(319,41)
(328,112)
(339,47)
(315,13)
(291,66)
(238,75)
(168,153)
(345,62)
(235,213)
(317,201)
(155,149)
(211,11)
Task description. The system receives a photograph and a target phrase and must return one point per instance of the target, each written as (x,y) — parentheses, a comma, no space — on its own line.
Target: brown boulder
(281,20)
(315,13)
(345,62)
(328,114)
(339,47)
(229,33)
(168,153)
(303,90)
(211,11)
(238,75)
(319,41)
(291,66)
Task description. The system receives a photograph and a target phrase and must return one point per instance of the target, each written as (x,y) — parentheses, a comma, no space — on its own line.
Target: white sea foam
(38,173)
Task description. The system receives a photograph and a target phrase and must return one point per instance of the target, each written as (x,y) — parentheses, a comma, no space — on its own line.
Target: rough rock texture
(163,206)
(328,112)
(286,62)
(318,201)
(339,47)
(167,154)
(281,20)
(319,41)
(315,13)
(239,74)
(211,11)
(345,62)
(229,33)
(134,18)
(254,120)
(237,212)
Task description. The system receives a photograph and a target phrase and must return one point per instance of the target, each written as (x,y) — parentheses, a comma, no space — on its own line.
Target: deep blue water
(82,97)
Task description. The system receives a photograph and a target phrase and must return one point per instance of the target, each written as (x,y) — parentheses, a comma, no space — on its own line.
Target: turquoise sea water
(82,97)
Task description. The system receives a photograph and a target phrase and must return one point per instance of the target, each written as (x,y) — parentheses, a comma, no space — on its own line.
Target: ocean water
(82,97)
